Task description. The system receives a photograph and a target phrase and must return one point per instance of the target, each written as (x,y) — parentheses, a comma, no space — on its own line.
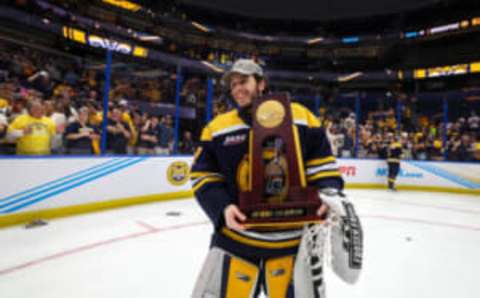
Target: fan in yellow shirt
(3,103)
(33,132)
(476,150)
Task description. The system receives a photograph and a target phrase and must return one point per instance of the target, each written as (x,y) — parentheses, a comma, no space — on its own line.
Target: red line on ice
(151,230)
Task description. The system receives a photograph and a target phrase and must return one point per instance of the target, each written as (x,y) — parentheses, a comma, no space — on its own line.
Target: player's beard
(245,112)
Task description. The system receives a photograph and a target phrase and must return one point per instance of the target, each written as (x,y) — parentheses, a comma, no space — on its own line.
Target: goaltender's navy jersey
(220,171)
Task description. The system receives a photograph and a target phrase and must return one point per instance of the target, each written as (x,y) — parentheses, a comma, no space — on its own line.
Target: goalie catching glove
(341,236)
(346,235)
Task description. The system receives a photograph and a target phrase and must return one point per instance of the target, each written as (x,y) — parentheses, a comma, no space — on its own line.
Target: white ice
(417,245)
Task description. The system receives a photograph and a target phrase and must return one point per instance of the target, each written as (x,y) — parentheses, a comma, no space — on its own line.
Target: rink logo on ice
(234,140)
(383,172)
(178,173)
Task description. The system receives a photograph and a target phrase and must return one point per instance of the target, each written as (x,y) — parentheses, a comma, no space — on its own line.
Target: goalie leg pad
(224,275)
(278,277)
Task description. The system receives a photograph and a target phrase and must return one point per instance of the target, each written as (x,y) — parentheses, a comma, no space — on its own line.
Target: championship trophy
(277,196)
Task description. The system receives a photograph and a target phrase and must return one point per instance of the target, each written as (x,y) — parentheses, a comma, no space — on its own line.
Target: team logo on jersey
(234,140)
(178,172)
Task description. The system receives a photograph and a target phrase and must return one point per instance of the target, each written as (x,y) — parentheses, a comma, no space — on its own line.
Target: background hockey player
(394,153)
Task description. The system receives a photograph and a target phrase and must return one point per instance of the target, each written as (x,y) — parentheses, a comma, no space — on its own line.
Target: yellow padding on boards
(18,218)
(242,278)
(414,188)
(279,275)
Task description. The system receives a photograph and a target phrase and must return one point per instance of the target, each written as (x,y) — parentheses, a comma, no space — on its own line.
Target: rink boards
(34,188)
(456,177)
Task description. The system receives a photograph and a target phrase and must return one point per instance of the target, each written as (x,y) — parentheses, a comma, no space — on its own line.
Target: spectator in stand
(149,136)
(419,147)
(55,111)
(71,76)
(187,146)
(138,124)
(92,96)
(127,118)
(474,122)
(118,133)
(453,147)
(80,135)
(348,143)
(335,138)
(435,148)
(466,148)
(476,152)
(33,132)
(407,145)
(165,139)
(41,81)
(3,126)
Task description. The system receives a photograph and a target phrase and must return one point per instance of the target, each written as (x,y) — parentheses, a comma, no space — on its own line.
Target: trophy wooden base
(281,216)
(277,226)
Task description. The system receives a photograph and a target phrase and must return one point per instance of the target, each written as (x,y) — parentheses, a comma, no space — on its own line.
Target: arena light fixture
(149,37)
(446,70)
(75,34)
(315,40)
(200,27)
(140,52)
(351,39)
(475,67)
(110,44)
(464,24)
(444,28)
(213,67)
(349,77)
(412,34)
(127,5)
(450,70)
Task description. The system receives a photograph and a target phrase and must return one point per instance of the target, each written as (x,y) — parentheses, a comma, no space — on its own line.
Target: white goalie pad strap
(346,237)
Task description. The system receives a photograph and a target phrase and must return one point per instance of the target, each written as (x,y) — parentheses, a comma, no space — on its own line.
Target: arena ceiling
(315,10)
